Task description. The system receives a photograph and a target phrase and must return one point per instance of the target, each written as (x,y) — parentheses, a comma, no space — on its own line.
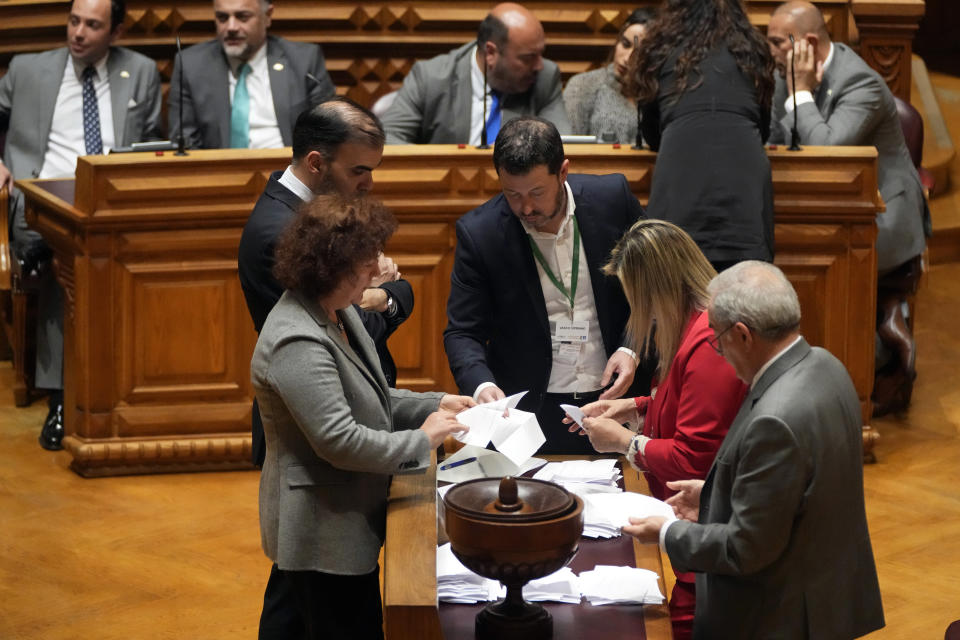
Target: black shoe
(51,436)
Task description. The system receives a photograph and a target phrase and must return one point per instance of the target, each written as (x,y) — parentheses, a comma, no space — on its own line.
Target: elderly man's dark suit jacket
(206,89)
(274,210)
(782,549)
(497,327)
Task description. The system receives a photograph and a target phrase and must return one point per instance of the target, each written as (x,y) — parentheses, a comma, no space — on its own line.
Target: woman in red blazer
(681,425)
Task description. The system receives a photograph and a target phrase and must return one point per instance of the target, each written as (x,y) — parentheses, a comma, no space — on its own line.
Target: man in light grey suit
(49,122)
(277,80)
(842,101)
(777,533)
(442,99)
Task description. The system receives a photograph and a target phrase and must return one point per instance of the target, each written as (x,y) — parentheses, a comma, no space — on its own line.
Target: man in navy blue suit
(529,308)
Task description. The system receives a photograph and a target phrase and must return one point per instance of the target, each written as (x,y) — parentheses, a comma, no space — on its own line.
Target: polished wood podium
(158,338)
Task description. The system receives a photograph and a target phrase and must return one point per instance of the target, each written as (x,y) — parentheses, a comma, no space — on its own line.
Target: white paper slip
(560,586)
(575,413)
(516,435)
(618,508)
(607,584)
(488,464)
(456,583)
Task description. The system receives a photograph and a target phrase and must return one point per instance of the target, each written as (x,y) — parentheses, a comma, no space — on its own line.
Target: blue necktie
(493,117)
(92,141)
(240,111)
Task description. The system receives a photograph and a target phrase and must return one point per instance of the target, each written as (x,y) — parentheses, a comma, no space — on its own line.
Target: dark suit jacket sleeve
(377,323)
(707,399)
(766,492)
(857,113)
(403,120)
(6,95)
(322,90)
(778,134)
(554,110)
(468,309)
(152,129)
(191,132)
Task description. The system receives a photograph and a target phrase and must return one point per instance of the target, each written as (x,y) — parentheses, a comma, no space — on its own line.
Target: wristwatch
(391,306)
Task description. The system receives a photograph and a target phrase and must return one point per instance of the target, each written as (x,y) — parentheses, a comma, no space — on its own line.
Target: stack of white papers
(559,586)
(605,513)
(517,436)
(620,585)
(568,472)
(456,583)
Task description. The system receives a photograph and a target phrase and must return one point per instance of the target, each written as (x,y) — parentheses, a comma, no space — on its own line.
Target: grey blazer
(28,96)
(206,89)
(433,105)
(597,107)
(854,106)
(335,433)
(782,549)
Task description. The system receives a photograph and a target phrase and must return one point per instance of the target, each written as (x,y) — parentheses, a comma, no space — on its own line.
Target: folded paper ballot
(484,464)
(603,471)
(607,584)
(516,435)
(604,513)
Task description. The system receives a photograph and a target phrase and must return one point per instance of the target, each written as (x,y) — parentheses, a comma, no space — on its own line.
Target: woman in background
(681,427)
(595,100)
(704,78)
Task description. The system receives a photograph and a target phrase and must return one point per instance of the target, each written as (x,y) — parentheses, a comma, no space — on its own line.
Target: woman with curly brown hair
(704,77)
(335,431)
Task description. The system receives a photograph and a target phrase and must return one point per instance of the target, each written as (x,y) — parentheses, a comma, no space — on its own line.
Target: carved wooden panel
(157,376)
(370,47)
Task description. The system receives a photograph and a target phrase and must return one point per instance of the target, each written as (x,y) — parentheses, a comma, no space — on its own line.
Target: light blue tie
(240,111)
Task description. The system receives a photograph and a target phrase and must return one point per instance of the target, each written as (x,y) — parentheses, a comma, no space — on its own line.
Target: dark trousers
(550,416)
(310,605)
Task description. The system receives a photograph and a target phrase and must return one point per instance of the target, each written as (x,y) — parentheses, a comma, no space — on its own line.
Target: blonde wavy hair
(665,277)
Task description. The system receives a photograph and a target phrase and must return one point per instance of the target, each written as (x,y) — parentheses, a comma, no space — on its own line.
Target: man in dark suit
(245,89)
(777,533)
(842,101)
(442,99)
(529,308)
(336,147)
(82,99)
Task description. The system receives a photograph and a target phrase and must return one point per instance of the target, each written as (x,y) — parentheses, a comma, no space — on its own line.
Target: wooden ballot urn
(513,530)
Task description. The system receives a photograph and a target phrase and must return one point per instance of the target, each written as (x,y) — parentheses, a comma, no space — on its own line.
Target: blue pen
(457,463)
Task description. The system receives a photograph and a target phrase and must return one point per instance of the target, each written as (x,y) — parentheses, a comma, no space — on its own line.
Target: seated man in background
(842,101)
(245,89)
(529,307)
(442,99)
(82,99)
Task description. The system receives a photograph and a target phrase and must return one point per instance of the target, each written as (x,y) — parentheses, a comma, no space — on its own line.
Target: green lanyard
(572,294)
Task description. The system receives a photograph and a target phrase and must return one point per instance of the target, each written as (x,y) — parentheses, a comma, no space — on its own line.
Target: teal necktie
(240,111)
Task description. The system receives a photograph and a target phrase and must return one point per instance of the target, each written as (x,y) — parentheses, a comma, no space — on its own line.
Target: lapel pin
(278,66)
(124,74)
(829,92)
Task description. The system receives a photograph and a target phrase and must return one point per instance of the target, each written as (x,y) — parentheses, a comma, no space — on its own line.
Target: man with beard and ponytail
(529,307)
(442,99)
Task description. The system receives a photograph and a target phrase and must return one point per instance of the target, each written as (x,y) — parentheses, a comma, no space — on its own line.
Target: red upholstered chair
(912,125)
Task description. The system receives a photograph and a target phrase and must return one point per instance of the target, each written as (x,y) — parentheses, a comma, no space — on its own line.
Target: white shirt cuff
(663,534)
(480,388)
(803,97)
(631,353)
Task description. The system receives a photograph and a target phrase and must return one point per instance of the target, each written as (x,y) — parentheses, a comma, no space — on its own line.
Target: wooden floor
(178,556)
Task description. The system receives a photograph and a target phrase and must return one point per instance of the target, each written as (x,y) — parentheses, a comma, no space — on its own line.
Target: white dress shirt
(295,185)
(264,130)
(476,102)
(65,142)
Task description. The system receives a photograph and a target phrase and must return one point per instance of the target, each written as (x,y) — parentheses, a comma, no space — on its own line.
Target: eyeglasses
(714,341)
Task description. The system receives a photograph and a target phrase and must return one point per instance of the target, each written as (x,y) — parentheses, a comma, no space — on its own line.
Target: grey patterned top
(596,106)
